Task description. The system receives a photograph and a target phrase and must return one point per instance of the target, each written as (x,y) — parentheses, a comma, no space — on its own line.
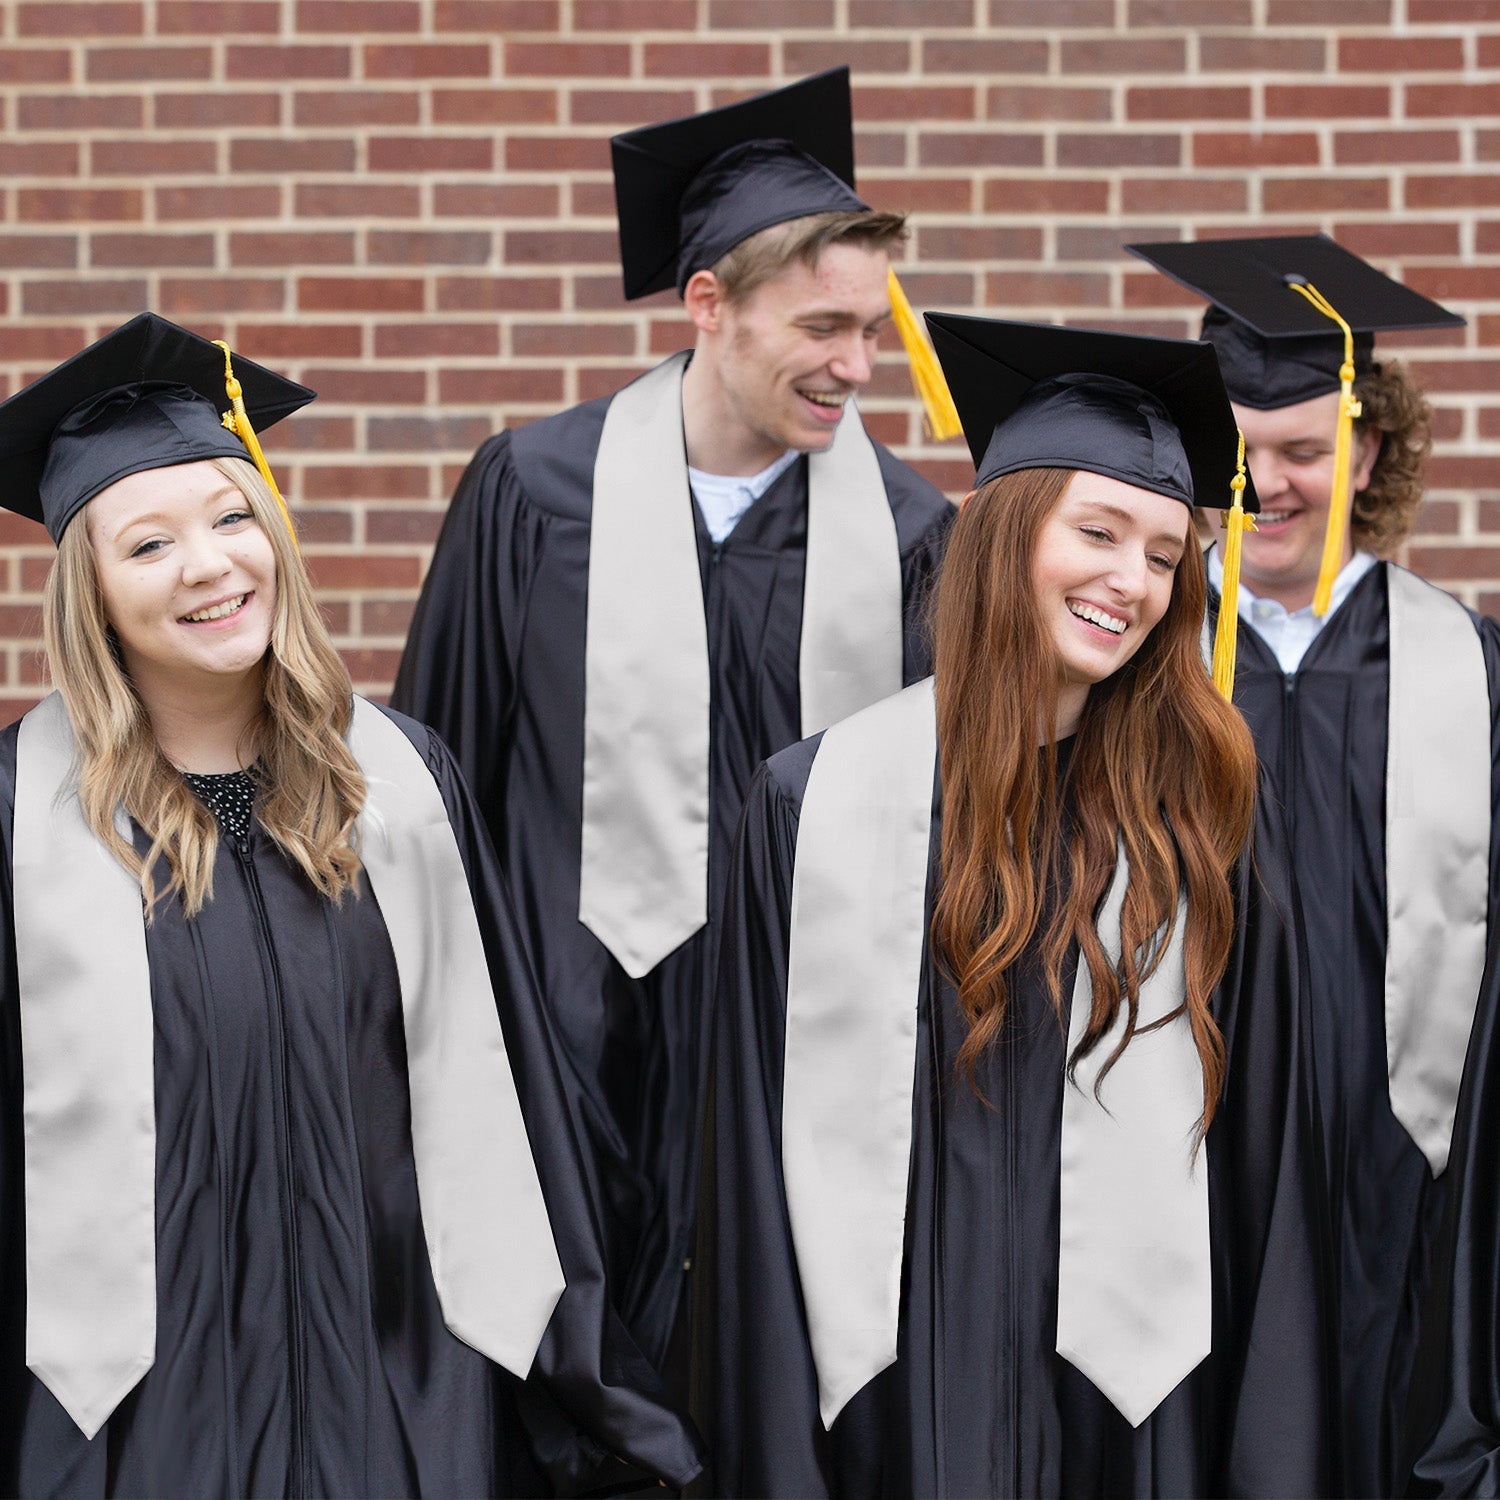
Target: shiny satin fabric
(301,1346)
(495,662)
(978,1402)
(1322,736)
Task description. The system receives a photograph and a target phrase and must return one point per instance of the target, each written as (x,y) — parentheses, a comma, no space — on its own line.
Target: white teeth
(1273,517)
(217,611)
(1096,616)
(820,400)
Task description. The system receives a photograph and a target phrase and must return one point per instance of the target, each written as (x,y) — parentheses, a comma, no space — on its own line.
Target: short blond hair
(756,260)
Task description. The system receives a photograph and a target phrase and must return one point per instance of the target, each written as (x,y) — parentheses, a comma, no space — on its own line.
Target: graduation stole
(1134,1276)
(88,1064)
(643,879)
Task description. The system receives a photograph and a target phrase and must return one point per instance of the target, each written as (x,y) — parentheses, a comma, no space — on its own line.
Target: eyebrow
(842,316)
(1121,513)
(158,518)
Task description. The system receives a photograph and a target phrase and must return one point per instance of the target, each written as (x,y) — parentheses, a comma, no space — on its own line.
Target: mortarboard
(149,395)
(1151,412)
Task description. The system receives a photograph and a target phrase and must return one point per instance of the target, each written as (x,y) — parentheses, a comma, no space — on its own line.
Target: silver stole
(643,879)
(1134,1253)
(1437,848)
(87,1053)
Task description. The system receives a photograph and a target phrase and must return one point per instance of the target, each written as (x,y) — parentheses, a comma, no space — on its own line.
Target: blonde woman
(290,1201)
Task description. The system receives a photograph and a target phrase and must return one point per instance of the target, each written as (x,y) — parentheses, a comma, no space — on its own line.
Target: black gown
(1321,733)
(978,1402)
(300,1346)
(495,663)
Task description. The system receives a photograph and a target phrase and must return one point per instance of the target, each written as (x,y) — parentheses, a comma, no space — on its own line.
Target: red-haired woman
(1012,1177)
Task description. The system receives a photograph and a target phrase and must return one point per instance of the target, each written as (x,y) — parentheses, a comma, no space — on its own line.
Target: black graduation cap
(690,190)
(1151,412)
(147,396)
(1275,347)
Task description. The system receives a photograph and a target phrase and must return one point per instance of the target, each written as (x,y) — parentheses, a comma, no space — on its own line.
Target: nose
(1130,574)
(853,360)
(1267,473)
(204,558)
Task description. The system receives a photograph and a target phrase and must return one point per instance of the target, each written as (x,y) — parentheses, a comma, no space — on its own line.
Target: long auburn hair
(310,787)
(1161,766)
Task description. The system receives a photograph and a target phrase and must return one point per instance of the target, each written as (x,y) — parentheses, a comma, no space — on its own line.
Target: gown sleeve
(592,1400)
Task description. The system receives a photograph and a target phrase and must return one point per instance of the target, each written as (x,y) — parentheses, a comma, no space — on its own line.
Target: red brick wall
(406,204)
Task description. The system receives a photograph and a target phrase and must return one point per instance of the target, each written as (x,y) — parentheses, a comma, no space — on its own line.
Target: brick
(1150,289)
(80,111)
(1046,195)
(1459,191)
(567,59)
(863,56)
(1193,13)
(356,200)
(1393,147)
(498,293)
(1313,194)
(37,252)
(136,157)
(77,205)
(925,104)
(374,15)
(499,16)
(921,193)
(425,434)
(596,200)
(1027,102)
(543,340)
(1450,471)
(549,247)
(368,386)
(1411,237)
(217,108)
(977,242)
(1119,149)
(490,386)
(1400,54)
(287,61)
(389,527)
(300,340)
(217,17)
(1084,242)
(357,107)
(281,154)
(496,200)
(150,251)
(431,153)
(351,570)
(214,201)
(1123,56)
(81,18)
(1095,14)
(387,617)
(1255,149)
(51,344)
(876,14)
(38,158)
(979,149)
(1488,52)
(359,294)
(1262,54)
(74,298)
(1329,12)
(184,297)
(1447,282)
(1318,101)
(628,107)
(364,482)
(144,64)
(423,340)
(557,153)
(1444,564)
(1430,12)
(285,247)
(327,527)
(769,15)
(1452,100)
(1436,517)
(427,60)
(34,65)
(1455,375)
(873,148)
(305,433)
(988,55)
(494,106)
(1042,289)
(706,59)
(1187,103)
(431,247)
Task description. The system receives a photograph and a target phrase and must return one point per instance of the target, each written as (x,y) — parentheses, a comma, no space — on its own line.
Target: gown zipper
(300,1478)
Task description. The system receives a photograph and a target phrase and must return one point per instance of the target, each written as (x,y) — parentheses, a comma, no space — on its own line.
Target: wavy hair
(1384,513)
(310,787)
(1161,767)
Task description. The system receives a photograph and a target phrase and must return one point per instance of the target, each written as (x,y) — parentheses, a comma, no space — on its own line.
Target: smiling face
(1103,570)
(187,577)
(1289,453)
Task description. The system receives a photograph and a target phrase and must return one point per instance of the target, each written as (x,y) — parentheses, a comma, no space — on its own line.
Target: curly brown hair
(1385,511)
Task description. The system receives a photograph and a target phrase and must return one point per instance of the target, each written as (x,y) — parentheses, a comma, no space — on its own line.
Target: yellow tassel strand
(1236,523)
(926,372)
(237,420)
(1338,498)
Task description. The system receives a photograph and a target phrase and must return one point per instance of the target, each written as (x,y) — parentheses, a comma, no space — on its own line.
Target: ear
(1367,443)
(967,498)
(703,297)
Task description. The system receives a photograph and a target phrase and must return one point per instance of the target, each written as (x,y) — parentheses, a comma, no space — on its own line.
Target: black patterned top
(229,796)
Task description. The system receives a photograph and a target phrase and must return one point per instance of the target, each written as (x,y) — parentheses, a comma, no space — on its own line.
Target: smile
(1096,616)
(830,401)
(218,611)
(1274,518)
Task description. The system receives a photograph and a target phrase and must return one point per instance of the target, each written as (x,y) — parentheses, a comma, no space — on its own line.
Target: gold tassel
(237,420)
(1236,523)
(926,373)
(1338,497)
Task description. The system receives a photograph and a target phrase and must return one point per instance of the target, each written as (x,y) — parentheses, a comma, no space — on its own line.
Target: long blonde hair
(310,788)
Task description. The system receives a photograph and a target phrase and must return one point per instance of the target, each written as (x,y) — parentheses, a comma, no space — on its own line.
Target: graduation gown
(300,1345)
(495,663)
(1321,734)
(978,1402)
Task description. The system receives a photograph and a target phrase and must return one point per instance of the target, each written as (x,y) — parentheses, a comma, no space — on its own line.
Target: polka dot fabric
(229,796)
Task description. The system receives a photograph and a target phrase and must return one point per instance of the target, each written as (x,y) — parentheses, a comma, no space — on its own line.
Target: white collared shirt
(1290,632)
(724,498)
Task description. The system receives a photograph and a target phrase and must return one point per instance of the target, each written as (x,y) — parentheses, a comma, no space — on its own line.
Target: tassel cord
(1226,638)
(237,420)
(926,372)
